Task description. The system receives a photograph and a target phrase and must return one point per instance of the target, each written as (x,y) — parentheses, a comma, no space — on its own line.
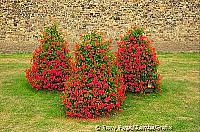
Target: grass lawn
(25,109)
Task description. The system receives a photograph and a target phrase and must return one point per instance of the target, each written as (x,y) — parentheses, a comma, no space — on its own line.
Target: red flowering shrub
(139,62)
(51,62)
(96,89)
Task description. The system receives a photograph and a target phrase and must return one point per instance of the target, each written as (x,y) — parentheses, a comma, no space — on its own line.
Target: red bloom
(132,38)
(138,60)
(94,79)
(107,99)
(101,92)
(49,63)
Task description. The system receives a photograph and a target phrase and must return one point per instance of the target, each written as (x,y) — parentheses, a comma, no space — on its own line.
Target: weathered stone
(174,23)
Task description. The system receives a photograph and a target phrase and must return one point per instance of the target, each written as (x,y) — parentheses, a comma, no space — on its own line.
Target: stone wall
(173,24)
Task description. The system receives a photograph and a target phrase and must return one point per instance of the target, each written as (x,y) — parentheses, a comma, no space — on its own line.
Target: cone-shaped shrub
(96,89)
(138,61)
(51,62)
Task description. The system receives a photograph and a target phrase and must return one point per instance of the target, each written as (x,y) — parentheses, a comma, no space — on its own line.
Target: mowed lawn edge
(23,108)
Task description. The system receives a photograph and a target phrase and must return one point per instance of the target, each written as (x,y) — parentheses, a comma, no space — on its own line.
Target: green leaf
(45,46)
(125,38)
(87,59)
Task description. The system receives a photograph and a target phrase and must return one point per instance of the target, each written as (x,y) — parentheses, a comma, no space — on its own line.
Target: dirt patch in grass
(24,47)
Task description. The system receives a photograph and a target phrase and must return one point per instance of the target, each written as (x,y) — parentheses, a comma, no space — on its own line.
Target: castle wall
(173,24)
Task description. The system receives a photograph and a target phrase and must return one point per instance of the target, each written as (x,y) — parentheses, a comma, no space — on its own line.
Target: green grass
(24,109)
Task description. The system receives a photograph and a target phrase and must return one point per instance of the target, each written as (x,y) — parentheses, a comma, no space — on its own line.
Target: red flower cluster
(96,87)
(139,62)
(51,62)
